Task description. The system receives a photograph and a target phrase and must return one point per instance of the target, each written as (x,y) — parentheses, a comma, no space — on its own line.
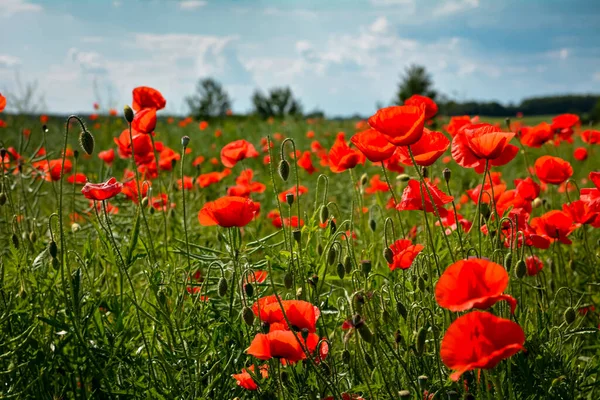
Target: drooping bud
(372,224)
(403,177)
(369,361)
(313,280)
(288,280)
(75,227)
(304,332)
(536,203)
(520,269)
(421,284)
(401,309)
(331,255)
(185,141)
(452,395)
(76,154)
(425,172)
(2,198)
(289,198)
(341,271)
(86,140)
(53,249)
(346,356)
(248,316)
(319,248)
(570,315)
(447,174)
(297,234)
(364,179)
(348,263)
(222,287)
(388,254)
(420,344)
(398,337)
(508,261)
(366,266)
(422,380)
(32,236)
(323,214)
(332,226)
(284,169)
(15,241)
(249,289)
(404,394)
(128,113)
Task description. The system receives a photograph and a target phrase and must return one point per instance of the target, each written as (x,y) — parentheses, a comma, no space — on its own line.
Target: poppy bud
(364,179)
(55,264)
(86,140)
(284,376)
(425,276)
(323,214)
(422,380)
(3,153)
(45,128)
(319,249)
(485,211)
(15,241)
(570,315)
(297,234)
(2,198)
(76,154)
(369,361)
(289,198)
(248,316)
(508,261)
(304,332)
(331,255)
(401,310)
(388,255)
(341,271)
(447,174)
(185,141)
(75,227)
(284,169)
(128,112)
(288,280)
(222,287)
(173,162)
(358,300)
(366,266)
(385,316)
(421,336)
(265,327)
(348,264)
(536,203)
(403,177)
(421,284)
(249,289)
(53,249)
(469,396)
(313,280)
(152,210)
(425,172)
(452,395)
(145,202)
(346,356)
(162,297)
(404,394)
(299,294)
(398,337)
(32,237)
(520,269)
(332,226)
(372,224)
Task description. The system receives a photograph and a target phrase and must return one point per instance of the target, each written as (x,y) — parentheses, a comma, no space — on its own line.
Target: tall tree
(416,80)
(210,100)
(280,102)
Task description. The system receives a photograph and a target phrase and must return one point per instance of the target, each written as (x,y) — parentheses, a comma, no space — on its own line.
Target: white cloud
(563,54)
(296,12)
(380,25)
(11,7)
(9,61)
(596,76)
(192,4)
(449,7)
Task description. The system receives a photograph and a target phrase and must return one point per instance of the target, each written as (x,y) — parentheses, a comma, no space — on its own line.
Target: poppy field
(408,255)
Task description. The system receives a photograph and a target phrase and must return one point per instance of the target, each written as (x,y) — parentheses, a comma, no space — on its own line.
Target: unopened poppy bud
(152,210)
(403,177)
(32,236)
(53,249)
(331,255)
(289,198)
(388,254)
(452,395)
(369,361)
(15,241)
(55,264)
(425,276)
(401,309)
(313,280)
(284,376)
(447,174)
(248,316)
(421,284)
(323,214)
(2,198)
(222,287)
(297,234)
(346,356)
(536,203)
(365,333)
(76,154)
(86,140)
(341,271)
(485,211)
(185,141)
(265,327)
(319,249)
(570,315)
(300,293)
(520,269)
(45,128)
(75,227)
(398,337)
(348,264)
(358,301)
(422,380)
(364,179)
(508,261)
(332,226)
(284,169)
(425,172)
(162,297)
(372,224)
(304,332)
(366,266)
(128,113)
(2,153)
(288,280)
(385,316)
(420,344)
(404,394)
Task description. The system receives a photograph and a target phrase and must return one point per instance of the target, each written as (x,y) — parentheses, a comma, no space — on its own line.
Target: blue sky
(339,56)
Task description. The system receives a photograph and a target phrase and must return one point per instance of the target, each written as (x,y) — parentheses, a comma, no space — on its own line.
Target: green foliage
(416,80)
(209,101)
(279,102)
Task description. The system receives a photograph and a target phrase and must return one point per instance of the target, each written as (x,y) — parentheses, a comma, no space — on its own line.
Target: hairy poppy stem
(478,214)
(393,192)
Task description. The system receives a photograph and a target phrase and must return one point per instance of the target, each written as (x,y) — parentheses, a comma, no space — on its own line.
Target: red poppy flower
(244,185)
(147,97)
(564,121)
(342,157)
(393,163)
(555,225)
(102,191)
(373,145)
(277,344)
(167,158)
(580,154)
(203,125)
(580,212)
(292,190)
(402,125)
(236,151)
(301,314)
(245,380)
(77,179)
(449,221)
(2,102)
(415,194)
(527,188)
(107,156)
(591,136)
(305,163)
(456,123)
(534,265)
(553,170)
(473,283)
(256,277)
(473,144)
(479,340)
(144,121)
(592,195)
(427,150)
(404,253)
(536,136)
(187,183)
(141,142)
(52,168)
(376,185)
(423,101)
(210,178)
(227,212)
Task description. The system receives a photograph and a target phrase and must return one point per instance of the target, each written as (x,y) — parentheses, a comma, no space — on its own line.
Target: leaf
(38,262)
